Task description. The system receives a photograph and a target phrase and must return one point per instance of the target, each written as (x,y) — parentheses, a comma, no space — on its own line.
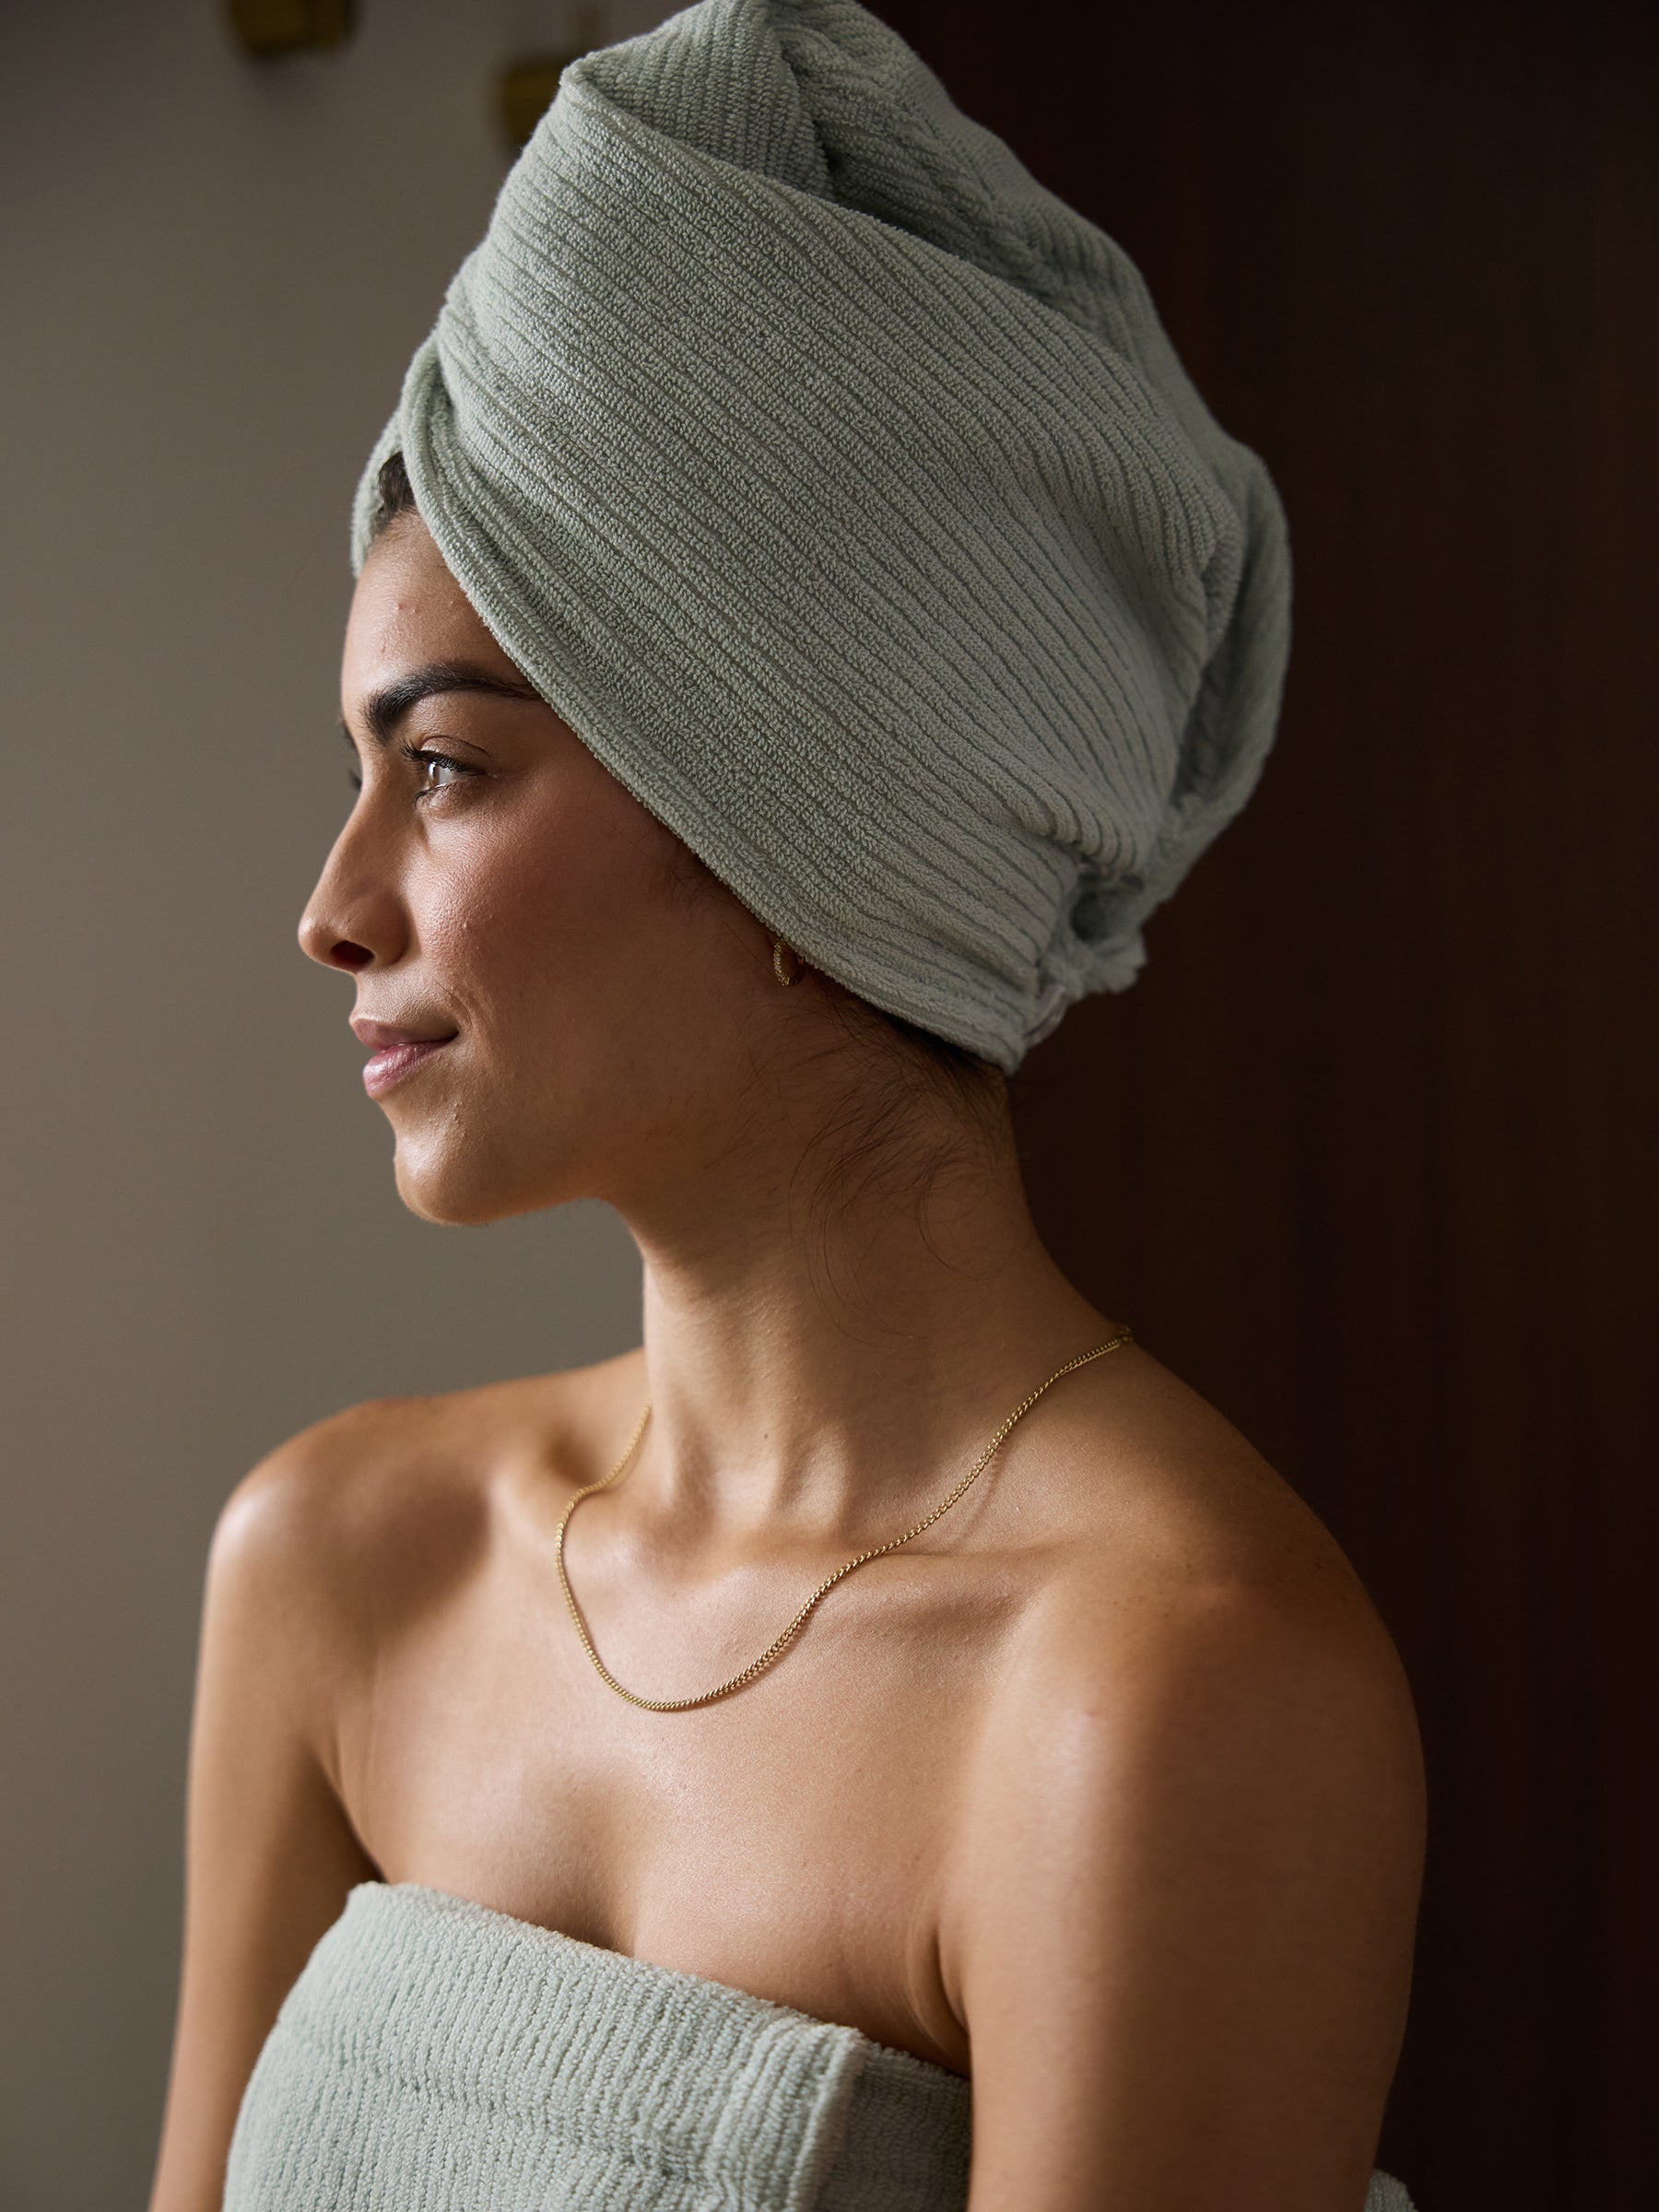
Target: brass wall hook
(269,27)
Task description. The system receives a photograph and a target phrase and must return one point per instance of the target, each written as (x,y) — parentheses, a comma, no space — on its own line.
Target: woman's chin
(455,1201)
(465,1192)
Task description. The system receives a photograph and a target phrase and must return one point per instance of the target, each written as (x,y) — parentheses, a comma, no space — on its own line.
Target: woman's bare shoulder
(1192,1837)
(405,1486)
(1189,1599)
(1155,1500)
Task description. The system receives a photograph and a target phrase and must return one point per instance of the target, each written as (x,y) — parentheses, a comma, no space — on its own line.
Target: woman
(885,1741)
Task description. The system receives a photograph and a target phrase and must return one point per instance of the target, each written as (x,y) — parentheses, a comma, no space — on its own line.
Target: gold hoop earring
(787,964)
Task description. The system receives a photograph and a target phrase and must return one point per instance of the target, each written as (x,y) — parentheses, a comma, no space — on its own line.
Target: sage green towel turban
(840,487)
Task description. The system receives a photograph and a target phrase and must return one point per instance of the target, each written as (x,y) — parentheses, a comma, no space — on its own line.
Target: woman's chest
(794,1840)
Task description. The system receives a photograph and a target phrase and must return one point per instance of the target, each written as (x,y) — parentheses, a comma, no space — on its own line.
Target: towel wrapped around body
(436,2056)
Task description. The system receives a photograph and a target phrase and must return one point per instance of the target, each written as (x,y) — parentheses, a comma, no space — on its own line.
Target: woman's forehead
(407,611)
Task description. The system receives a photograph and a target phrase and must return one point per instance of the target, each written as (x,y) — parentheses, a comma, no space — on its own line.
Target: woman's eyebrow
(384,709)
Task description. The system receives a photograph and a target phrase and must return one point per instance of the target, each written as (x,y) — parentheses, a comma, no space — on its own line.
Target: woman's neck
(819,1360)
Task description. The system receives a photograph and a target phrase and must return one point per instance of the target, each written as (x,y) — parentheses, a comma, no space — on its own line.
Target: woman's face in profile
(586,994)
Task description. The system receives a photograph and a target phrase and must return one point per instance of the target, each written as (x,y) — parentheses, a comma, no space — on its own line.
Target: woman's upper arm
(270,1854)
(1189,1890)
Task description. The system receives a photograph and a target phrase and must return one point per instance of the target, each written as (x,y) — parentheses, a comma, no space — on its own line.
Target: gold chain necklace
(782,1643)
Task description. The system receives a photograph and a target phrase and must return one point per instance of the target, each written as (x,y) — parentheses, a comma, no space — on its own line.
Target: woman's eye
(436,770)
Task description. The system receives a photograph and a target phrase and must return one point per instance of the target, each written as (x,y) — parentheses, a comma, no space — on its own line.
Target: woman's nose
(354,919)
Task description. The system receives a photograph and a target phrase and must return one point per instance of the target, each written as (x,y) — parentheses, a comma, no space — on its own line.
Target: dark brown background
(1366,1153)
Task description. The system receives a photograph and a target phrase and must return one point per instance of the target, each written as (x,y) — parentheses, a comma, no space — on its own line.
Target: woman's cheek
(515,913)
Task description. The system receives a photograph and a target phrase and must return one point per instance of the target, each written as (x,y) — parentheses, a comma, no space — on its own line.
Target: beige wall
(214,273)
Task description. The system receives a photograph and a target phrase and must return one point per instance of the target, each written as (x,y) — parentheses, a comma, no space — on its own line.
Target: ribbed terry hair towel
(839,485)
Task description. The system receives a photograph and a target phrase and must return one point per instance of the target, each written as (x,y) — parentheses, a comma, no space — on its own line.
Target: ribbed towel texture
(438,2056)
(839,485)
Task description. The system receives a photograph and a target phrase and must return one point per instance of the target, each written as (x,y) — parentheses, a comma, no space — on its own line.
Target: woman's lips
(393,1062)
(398,1052)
